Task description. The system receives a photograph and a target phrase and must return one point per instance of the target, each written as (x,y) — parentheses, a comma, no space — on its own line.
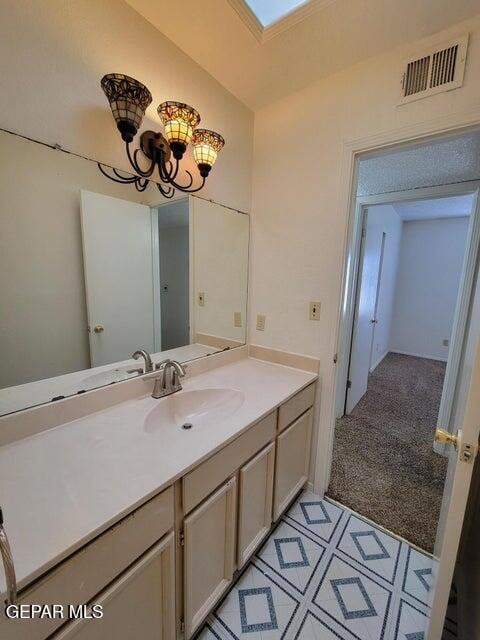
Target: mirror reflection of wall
(220,238)
(91,270)
(174,248)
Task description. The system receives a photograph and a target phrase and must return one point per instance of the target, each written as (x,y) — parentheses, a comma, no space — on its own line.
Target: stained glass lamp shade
(179,120)
(128,100)
(206,145)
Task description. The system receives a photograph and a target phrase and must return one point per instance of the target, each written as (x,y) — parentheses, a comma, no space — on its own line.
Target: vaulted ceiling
(335,35)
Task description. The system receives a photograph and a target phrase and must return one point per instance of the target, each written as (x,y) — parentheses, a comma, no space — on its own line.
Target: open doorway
(413,283)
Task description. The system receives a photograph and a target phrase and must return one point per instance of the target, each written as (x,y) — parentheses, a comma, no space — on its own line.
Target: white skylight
(268,11)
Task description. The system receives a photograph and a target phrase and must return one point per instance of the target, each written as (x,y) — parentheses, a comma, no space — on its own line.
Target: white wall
(431,260)
(300,180)
(384,219)
(55,53)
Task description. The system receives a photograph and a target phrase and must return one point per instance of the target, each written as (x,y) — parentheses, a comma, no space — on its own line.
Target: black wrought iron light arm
(159,156)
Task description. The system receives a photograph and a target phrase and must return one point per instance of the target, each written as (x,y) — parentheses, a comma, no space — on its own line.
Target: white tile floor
(327,574)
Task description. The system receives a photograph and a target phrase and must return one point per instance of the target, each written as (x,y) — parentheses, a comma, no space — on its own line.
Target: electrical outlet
(446,343)
(237,318)
(315,310)
(260,322)
(201,299)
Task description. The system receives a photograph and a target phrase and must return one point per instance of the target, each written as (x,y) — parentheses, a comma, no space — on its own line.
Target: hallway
(384,466)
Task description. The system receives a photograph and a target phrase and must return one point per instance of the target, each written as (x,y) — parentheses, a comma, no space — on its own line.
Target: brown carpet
(384,466)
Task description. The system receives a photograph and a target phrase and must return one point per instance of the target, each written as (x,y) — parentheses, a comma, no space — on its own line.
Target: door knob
(445,437)
(98,328)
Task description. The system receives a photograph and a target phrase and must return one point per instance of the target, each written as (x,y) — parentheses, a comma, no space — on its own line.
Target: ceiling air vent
(440,69)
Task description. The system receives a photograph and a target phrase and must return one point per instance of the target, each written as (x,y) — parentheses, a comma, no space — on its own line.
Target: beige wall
(220,268)
(299,210)
(55,53)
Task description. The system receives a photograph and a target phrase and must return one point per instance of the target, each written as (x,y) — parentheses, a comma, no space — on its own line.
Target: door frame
(351,287)
(157,312)
(410,134)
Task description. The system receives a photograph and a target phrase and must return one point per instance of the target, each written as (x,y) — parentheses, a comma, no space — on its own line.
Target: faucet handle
(180,368)
(162,363)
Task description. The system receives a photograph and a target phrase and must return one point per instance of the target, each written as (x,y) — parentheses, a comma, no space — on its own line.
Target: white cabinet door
(255,502)
(209,553)
(293,457)
(139,604)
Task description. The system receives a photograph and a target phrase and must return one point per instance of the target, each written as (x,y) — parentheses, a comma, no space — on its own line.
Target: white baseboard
(378,361)
(418,355)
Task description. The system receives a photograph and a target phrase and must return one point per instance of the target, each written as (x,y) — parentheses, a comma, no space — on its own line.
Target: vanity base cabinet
(79,578)
(139,604)
(293,457)
(255,502)
(209,555)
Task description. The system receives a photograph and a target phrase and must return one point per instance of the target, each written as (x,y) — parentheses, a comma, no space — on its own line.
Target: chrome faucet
(141,353)
(168,381)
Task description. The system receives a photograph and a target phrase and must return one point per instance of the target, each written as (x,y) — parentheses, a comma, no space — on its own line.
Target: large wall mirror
(91,271)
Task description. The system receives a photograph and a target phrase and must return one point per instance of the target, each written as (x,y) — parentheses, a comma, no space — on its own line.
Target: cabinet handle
(8,564)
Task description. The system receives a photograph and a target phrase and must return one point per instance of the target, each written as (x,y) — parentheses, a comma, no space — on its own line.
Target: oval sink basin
(196,407)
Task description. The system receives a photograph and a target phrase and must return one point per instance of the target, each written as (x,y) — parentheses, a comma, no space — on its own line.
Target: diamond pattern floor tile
(411,623)
(418,576)
(292,555)
(320,517)
(325,573)
(371,547)
(314,628)
(350,598)
(257,608)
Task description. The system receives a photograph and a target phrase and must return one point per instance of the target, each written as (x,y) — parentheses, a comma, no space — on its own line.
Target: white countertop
(62,487)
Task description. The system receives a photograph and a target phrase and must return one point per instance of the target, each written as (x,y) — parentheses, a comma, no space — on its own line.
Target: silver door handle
(8,565)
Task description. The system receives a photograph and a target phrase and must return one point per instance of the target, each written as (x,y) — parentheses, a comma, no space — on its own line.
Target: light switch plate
(260,322)
(201,299)
(237,318)
(315,310)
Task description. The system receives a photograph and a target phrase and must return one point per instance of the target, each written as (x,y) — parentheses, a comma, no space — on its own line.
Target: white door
(454,503)
(364,317)
(117,256)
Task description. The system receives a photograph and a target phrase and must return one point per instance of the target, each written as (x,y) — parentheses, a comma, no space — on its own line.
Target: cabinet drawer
(290,410)
(200,482)
(82,576)
(139,604)
(293,458)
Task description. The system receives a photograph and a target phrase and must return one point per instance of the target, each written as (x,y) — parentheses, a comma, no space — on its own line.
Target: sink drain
(187,425)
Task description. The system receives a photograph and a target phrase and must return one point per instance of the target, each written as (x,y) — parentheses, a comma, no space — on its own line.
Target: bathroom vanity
(128,509)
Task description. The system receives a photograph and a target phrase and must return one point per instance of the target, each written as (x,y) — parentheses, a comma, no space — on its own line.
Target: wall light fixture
(129,100)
